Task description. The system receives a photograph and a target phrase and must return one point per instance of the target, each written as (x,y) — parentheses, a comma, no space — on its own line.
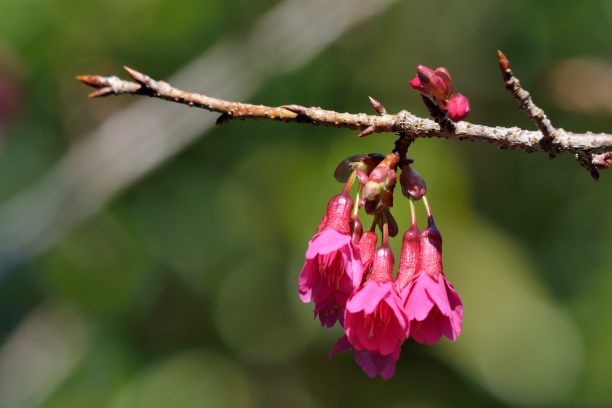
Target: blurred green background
(165,275)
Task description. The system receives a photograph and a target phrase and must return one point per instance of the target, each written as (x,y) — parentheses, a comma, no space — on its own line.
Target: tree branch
(593,151)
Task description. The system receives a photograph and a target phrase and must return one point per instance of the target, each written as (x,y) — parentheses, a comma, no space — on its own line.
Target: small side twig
(526,103)
(593,151)
(549,142)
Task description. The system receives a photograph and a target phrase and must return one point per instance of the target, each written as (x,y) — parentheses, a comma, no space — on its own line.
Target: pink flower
(373,319)
(370,362)
(438,84)
(435,83)
(431,304)
(458,107)
(367,245)
(410,256)
(332,269)
(377,192)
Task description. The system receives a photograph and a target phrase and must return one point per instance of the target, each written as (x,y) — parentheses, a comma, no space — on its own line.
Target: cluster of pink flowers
(438,84)
(351,280)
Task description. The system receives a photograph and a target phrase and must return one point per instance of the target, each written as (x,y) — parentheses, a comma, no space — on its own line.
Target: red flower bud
(382,265)
(410,257)
(338,214)
(435,83)
(458,107)
(413,185)
(367,244)
(364,162)
(377,190)
(431,250)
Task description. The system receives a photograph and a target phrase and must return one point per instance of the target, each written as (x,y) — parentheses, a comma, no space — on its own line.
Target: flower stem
(427,207)
(385,231)
(356,203)
(374,223)
(350,182)
(413,219)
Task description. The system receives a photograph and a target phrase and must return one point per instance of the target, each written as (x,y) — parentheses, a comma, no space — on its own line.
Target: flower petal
(368,297)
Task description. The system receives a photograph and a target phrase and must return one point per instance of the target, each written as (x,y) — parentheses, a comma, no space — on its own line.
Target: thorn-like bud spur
(100,92)
(139,77)
(367,131)
(504,64)
(108,85)
(94,80)
(298,109)
(378,107)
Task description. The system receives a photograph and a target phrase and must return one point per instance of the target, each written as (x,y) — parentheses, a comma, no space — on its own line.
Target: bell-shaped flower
(367,246)
(373,319)
(431,304)
(332,270)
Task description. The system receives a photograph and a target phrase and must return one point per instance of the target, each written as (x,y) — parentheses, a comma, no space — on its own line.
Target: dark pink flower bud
(382,265)
(373,319)
(431,304)
(431,250)
(338,213)
(377,192)
(435,83)
(458,107)
(367,245)
(413,185)
(332,270)
(410,256)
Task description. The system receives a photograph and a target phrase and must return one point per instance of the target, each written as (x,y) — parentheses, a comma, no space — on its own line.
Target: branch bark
(593,151)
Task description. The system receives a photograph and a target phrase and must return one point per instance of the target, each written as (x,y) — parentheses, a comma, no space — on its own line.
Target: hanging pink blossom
(332,269)
(367,245)
(374,320)
(431,304)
